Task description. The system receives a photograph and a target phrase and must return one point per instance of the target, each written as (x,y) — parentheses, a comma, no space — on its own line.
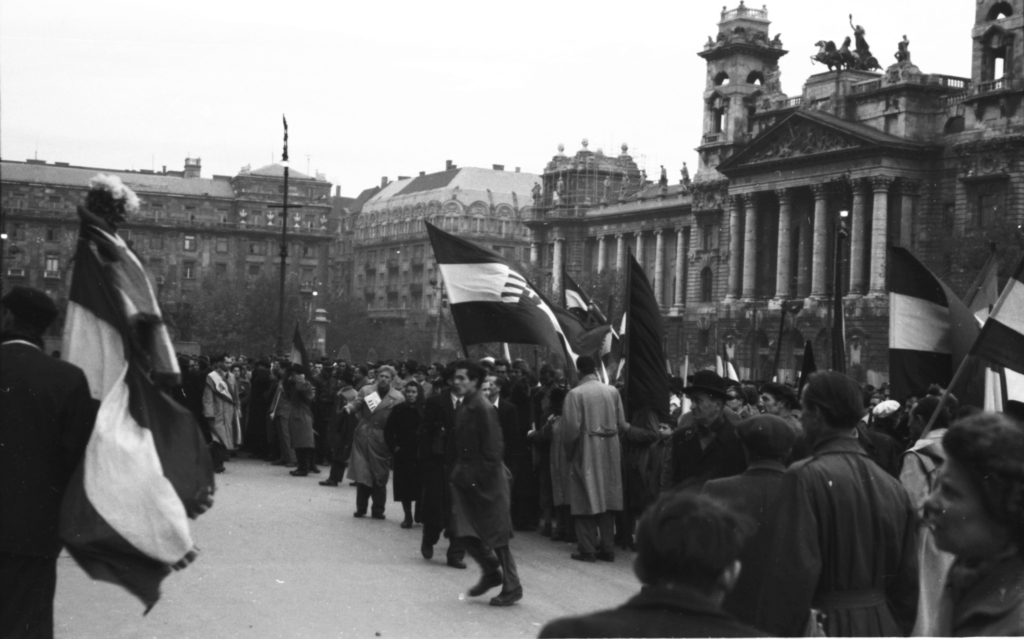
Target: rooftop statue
(859,58)
(903,50)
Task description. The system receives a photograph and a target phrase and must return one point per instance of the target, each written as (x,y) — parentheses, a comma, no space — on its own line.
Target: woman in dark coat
(400,436)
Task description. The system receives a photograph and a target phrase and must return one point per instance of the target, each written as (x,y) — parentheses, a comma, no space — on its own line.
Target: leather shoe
(329,482)
(279,462)
(584,556)
(407,523)
(488,581)
(457,563)
(298,473)
(314,470)
(359,514)
(427,550)
(377,515)
(507,598)
(605,555)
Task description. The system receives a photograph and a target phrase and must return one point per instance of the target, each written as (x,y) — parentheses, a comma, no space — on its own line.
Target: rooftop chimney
(448,166)
(383,181)
(403,177)
(422,173)
(498,167)
(192,167)
(517,169)
(337,191)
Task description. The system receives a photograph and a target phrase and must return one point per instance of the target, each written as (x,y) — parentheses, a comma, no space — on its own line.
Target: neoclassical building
(789,190)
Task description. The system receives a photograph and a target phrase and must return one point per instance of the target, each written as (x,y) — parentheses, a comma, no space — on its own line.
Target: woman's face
(958,519)
(411,394)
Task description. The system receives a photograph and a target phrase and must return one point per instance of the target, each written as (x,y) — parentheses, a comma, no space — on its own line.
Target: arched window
(721,79)
(999,11)
(954,125)
(705,284)
(755,77)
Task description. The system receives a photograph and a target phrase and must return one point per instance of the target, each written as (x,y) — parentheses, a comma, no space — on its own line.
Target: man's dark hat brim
(707,382)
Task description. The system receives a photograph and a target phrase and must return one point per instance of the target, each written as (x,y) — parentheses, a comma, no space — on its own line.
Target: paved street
(283,557)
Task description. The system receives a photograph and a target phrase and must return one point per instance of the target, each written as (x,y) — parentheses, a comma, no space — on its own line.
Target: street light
(838,319)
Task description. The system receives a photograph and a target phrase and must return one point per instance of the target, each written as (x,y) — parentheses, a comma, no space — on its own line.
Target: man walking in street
(480,495)
(591,419)
(48,416)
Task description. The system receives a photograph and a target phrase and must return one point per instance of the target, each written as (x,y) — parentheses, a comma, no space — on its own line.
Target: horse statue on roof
(828,55)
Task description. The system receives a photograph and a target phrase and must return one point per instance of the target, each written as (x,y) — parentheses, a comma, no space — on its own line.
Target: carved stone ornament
(800,139)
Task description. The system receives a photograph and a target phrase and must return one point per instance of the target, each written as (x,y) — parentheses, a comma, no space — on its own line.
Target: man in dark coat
(767,441)
(46,419)
(494,387)
(480,495)
(436,443)
(524,488)
(845,537)
(709,448)
(687,561)
(256,433)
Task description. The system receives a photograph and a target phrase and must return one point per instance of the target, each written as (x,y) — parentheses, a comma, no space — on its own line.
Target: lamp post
(838,318)
(284,242)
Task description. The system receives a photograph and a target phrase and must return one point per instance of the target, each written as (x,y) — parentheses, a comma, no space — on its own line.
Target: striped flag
(807,367)
(146,469)
(1001,340)
(492,302)
(298,354)
(646,378)
(930,329)
(576,301)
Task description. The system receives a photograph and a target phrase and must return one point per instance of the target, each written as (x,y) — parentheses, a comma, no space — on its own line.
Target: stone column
(750,248)
(783,275)
(735,203)
(803,274)
(601,253)
(620,251)
(858,282)
(879,219)
(819,262)
(680,262)
(556,268)
(639,251)
(659,266)
(908,196)
(534,252)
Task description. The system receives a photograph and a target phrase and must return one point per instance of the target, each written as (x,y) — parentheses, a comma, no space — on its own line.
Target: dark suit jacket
(754,493)
(508,417)
(480,494)
(687,466)
(46,419)
(655,612)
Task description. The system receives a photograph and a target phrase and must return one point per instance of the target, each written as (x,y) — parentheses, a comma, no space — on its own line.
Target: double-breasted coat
(300,417)
(844,542)
(480,494)
(591,418)
(370,463)
(220,401)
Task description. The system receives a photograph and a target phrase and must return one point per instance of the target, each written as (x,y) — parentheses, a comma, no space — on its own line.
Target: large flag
(491,301)
(1001,340)
(985,290)
(930,329)
(646,378)
(298,354)
(146,469)
(587,328)
(576,301)
(806,367)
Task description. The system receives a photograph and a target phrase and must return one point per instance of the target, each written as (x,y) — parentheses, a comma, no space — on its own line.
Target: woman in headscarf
(976,512)
(400,436)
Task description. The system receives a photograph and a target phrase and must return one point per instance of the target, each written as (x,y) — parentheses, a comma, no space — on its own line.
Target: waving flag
(1001,340)
(930,329)
(491,301)
(146,469)
(646,377)
(298,354)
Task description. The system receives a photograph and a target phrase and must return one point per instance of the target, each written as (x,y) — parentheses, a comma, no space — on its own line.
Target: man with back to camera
(480,495)
(48,415)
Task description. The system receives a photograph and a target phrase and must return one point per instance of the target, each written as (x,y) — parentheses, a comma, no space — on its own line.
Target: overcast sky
(377,89)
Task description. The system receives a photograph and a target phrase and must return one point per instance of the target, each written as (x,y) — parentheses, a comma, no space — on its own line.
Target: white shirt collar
(21,341)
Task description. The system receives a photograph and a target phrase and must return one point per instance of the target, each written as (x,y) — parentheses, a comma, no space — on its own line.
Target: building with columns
(790,189)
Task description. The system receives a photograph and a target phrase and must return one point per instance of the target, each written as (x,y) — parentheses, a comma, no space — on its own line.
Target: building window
(55,199)
(257,248)
(308,250)
(707,232)
(254,270)
(222,245)
(190,243)
(989,209)
(221,269)
(52,263)
(705,284)
(188,270)
(52,234)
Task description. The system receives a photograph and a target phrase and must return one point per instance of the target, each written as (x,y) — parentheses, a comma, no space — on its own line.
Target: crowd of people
(845,515)
(747,509)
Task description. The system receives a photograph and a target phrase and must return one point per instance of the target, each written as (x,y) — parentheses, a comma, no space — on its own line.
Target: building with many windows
(744,258)
(188,228)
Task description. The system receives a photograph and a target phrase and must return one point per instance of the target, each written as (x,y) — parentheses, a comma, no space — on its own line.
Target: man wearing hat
(767,441)
(47,419)
(781,400)
(708,447)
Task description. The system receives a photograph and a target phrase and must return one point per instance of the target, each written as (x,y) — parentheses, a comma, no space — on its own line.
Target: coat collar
(767,466)
(837,442)
(994,594)
(679,597)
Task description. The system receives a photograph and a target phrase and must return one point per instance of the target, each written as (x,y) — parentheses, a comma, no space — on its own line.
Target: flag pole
(944,397)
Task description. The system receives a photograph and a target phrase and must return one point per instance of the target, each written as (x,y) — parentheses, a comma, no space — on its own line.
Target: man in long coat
(370,464)
(436,439)
(221,410)
(480,494)
(845,538)
(591,419)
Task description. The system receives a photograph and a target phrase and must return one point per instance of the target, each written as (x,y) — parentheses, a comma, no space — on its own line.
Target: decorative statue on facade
(559,191)
(624,185)
(607,186)
(663,180)
(859,58)
(537,194)
(903,50)
(684,175)
(828,55)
